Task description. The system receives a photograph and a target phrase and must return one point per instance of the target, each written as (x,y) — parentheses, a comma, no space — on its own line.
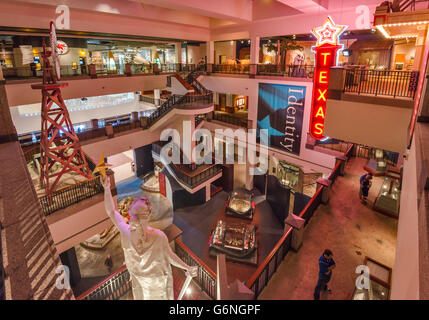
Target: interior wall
(384,127)
(405,276)
(408,49)
(22,94)
(77,223)
(225,48)
(240,175)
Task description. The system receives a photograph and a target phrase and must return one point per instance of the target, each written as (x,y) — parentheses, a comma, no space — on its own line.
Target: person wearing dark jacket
(326,265)
(365,184)
(109,263)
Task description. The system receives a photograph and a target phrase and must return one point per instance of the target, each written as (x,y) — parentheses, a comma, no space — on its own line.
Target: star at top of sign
(102,166)
(329,32)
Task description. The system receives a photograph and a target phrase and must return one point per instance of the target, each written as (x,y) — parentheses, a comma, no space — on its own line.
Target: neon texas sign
(326,50)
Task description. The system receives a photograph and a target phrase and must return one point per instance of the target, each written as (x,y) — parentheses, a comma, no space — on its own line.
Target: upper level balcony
(371,107)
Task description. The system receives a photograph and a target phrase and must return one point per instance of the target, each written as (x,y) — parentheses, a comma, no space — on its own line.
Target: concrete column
(92,71)
(343,161)
(69,259)
(178,51)
(94,123)
(325,192)
(249,177)
(208,193)
(210,56)
(337,77)
(420,48)
(157,96)
(143,161)
(109,131)
(7,128)
(254,55)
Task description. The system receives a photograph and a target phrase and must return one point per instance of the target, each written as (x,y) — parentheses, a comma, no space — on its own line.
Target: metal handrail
(67,196)
(118,284)
(382,82)
(188,180)
(264,272)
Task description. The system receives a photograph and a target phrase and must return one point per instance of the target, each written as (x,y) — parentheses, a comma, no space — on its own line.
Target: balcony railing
(68,196)
(28,72)
(231,68)
(118,284)
(112,288)
(382,83)
(259,280)
(294,71)
(206,278)
(205,172)
(227,118)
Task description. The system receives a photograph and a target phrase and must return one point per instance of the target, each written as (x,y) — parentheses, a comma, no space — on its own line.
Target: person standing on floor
(326,265)
(365,184)
(109,263)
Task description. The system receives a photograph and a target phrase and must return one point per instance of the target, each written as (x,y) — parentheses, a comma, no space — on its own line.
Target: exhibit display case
(236,240)
(240,204)
(288,174)
(388,198)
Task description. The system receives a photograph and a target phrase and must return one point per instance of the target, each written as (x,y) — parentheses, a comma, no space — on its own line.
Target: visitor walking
(109,263)
(326,265)
(365,184)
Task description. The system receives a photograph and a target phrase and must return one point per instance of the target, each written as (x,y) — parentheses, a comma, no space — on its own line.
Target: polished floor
(350,229)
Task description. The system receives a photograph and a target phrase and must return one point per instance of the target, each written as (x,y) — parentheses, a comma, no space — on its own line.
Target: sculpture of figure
(148,255)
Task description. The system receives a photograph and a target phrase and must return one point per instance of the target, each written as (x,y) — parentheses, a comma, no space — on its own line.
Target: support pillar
(254,56)
(178,52)
(7,129)
(420,48)
(210,56)
(94,123)
(325,183)
(143,161)
(69,259)
(208,192)
(343,161)
(92,71)
(157,96)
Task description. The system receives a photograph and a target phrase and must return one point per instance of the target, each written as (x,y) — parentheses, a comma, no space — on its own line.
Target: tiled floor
(350,229)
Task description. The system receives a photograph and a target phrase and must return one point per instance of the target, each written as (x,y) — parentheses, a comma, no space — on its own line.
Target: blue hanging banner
(281,112)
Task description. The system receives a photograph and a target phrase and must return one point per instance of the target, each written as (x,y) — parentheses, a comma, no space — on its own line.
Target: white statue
(148,254)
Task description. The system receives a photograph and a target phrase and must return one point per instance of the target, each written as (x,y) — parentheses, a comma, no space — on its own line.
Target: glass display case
(240,204)
(388,198)
(236,240)
(288,174)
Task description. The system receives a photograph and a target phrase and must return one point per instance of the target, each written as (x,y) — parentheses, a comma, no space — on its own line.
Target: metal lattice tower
(58,140)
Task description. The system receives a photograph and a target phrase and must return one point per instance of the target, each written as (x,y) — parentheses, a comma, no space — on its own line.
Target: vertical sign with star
(326,49)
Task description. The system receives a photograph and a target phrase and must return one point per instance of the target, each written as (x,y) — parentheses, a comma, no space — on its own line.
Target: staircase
(200,96)
(189,175)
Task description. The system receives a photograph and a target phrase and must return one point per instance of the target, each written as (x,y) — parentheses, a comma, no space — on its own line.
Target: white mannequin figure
(147,252)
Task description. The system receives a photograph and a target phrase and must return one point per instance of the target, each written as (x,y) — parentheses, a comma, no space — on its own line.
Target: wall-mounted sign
(240,102)
(280,112)
(62,47)
(326,50)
